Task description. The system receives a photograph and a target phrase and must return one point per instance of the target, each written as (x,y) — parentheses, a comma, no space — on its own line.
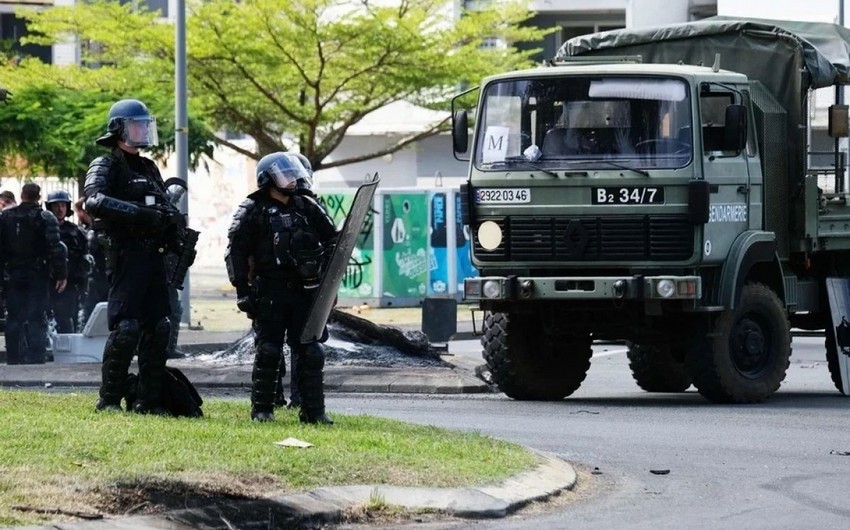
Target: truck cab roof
(690,72)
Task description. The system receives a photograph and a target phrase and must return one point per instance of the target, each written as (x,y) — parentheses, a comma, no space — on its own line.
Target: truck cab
(659,203)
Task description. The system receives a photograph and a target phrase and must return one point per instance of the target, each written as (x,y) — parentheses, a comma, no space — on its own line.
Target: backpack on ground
(179,397)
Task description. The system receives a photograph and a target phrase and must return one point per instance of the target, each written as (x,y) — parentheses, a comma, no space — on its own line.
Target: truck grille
(623,238)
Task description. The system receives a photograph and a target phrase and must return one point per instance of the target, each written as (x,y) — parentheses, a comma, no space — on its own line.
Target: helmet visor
(286,172)
(140,131)
(305,183)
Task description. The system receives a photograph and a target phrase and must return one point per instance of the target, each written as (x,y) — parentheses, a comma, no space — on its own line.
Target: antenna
(716,66)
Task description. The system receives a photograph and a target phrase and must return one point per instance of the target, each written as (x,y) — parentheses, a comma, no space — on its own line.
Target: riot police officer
(66,304)
(278,243)
(302,187)
(32,257)
(126,197)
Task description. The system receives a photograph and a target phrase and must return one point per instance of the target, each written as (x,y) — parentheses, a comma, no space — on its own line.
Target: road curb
(551,476)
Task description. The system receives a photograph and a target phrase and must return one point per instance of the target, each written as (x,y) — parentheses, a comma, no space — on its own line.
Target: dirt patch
(201,506)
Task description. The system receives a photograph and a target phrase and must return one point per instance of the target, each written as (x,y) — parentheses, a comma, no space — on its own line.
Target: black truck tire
(746,355)
(527,365)
(655,368)
(832,358)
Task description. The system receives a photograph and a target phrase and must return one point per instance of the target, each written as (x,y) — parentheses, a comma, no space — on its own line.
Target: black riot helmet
(59,196)
(281,170)
(131,121)
(304,183)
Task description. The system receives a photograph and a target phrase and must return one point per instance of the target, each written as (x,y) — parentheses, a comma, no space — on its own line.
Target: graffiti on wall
(358,279)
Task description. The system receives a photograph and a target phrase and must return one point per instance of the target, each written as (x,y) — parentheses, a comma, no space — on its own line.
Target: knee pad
(162,330)
(310,356)
(268,355)
(125,337)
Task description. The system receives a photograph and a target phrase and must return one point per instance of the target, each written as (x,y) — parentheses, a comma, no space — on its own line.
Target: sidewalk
(458,378)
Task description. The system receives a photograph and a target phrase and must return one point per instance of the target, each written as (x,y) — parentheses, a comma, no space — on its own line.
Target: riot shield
(326,292)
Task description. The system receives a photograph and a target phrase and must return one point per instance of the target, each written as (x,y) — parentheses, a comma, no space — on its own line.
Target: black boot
(314,417)
(279,398)
(152,354)
(106,405)
(117,354)
(261,415)
(264,381)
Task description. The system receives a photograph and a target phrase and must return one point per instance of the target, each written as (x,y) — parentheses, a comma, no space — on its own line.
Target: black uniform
(97,289)
(66,305)
(122,191)
(31,256)
(278,239)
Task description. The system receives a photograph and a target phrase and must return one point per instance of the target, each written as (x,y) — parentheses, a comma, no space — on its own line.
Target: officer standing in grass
(303,187)
(278,244)
(66,304)
(33,261)
(126,197)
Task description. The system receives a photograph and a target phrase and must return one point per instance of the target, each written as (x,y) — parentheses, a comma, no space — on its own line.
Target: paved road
(758,466)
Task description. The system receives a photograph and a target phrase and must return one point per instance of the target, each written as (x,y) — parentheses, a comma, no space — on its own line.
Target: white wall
(648,13)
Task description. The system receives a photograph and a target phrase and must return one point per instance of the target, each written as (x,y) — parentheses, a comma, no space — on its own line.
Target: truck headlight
(665,288)
(489,235)
(492,289)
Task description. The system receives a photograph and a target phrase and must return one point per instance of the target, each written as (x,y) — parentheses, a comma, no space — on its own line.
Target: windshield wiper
(524,161)
(627,168)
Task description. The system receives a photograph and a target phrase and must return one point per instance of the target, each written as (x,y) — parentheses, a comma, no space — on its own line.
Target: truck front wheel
(656,369)
(526,364)
(746,355)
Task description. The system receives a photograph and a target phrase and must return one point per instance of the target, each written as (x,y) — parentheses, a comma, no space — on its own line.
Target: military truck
(654,186)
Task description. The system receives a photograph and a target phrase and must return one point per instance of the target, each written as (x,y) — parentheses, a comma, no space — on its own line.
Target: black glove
(247,305)
(152,218)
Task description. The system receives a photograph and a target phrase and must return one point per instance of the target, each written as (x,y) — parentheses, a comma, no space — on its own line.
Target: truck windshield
(582,122)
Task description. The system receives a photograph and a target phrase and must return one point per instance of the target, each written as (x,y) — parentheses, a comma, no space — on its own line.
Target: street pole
(181,129)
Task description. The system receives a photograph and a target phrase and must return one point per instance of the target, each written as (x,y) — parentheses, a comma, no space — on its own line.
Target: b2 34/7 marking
(628,195)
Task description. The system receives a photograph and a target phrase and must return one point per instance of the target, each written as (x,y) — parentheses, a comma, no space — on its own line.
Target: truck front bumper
(519,288)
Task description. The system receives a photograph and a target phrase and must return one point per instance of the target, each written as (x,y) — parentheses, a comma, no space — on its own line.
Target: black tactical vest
(23,236)
(296,244)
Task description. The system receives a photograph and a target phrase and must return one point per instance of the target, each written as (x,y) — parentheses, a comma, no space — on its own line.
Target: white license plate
(502,195)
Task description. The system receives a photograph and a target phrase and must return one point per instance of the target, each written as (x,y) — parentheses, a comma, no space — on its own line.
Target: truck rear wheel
(746,355)
(832,358)
(656,369)
(526,364)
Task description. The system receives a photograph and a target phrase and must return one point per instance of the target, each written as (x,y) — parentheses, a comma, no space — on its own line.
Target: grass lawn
(56,452)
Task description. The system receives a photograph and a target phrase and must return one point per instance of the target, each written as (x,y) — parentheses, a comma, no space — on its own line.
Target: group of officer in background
(47,270)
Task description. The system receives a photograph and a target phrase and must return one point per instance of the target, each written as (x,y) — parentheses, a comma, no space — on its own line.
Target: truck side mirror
(735,134)
(838,121)
(699,200)
(460,131)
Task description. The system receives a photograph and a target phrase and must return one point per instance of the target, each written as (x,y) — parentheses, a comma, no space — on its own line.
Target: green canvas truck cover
(822,49)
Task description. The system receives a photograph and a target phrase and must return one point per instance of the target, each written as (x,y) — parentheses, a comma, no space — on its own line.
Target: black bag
(179,396)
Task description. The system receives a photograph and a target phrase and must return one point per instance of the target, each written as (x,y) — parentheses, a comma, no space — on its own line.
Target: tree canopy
(290,73)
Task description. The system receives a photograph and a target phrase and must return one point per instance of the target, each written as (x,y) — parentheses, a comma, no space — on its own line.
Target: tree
(50,129)
(302,72)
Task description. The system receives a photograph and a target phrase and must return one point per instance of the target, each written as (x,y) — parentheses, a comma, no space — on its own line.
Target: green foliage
(302,72)
(56,451)
(53,128)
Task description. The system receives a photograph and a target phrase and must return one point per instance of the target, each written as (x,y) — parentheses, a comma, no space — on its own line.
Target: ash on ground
(340,349)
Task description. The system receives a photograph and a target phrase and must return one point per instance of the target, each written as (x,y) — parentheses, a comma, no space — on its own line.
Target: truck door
(727,172)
